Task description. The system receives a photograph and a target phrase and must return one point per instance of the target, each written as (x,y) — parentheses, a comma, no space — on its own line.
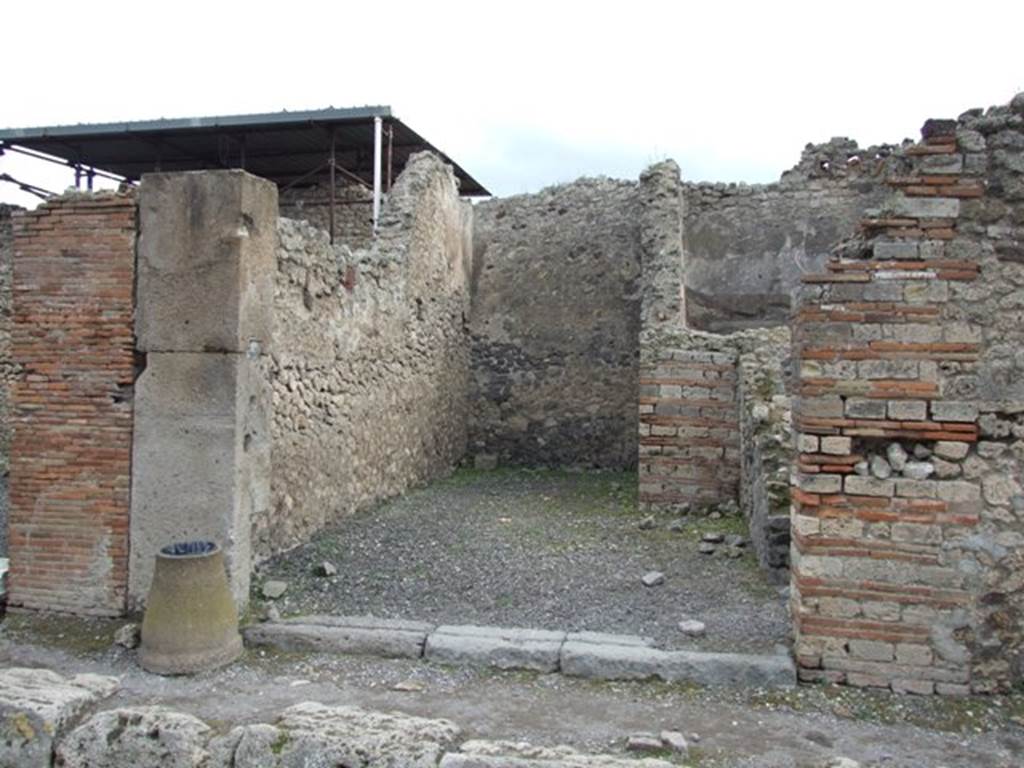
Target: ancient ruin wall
(370,359)
(908,512)
(8,370)
(555,324)
(74,261)
(353,210)
(747,245)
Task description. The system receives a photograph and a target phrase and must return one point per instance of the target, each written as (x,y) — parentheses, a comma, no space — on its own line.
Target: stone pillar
(201,462)
(661,242)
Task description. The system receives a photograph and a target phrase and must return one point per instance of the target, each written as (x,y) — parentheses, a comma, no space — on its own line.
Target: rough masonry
(908,531)
(370,358)
(554,325)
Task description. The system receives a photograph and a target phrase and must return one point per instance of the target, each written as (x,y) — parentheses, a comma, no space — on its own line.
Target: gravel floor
(536,549)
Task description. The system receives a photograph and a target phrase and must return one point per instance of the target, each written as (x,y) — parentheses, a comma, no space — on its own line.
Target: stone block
(821,483)
(950,410)
(504,648)
(868,486)
(201,459)
(837,446)
(627,662)
(951,449)
(871,650)
(360,635)
(908,410)
(899,250)
(957,491)
(826,406)
(864,408)
(926,207)
(807,443)
(206,261)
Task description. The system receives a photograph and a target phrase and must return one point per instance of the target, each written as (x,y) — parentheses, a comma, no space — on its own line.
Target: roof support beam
(377,124)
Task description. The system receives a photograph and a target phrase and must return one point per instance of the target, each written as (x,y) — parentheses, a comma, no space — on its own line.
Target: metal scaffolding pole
(377,126)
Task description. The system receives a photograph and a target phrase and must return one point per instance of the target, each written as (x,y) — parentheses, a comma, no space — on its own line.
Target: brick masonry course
(74,261)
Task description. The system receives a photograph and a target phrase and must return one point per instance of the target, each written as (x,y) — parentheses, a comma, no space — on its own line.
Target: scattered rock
(843,762)
(714,537)
(647,524)
(817,737)
(880,468)
(841,710)
(274,589)
(326,569)
(129,636)
(897,456)
(735,540)
(644,742)
(918,470)
(270,613)
(136,736)
(692,627)
(716,515)
(675,741)
(653,578)
(409,686)
(734,552)
(677,526)
(706,548)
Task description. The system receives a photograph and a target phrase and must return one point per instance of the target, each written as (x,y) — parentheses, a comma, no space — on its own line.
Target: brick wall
(689,429)
(72,405)
(890,527)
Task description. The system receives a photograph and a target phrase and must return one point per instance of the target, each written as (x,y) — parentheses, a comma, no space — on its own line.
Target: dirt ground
(542,549)
(804,728)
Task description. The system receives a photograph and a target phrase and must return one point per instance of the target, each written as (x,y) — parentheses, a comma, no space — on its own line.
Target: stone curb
(532,649)
(593,655)
(340,634)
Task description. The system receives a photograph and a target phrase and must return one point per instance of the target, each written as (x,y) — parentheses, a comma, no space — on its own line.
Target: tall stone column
(204,316)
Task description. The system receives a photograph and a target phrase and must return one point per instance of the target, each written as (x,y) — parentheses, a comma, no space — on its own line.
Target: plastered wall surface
(370,359)
(748,245)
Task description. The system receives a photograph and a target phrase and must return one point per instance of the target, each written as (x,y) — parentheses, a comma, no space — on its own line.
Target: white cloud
(526,94)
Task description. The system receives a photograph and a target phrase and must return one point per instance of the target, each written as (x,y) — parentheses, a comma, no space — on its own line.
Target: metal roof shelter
(366,145)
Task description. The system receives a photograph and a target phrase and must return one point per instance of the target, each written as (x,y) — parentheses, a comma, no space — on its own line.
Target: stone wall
(353,210)
(555,324)
(74,263)
(8,370)
(766,444)
(908,533)
(370,358)
(747,245)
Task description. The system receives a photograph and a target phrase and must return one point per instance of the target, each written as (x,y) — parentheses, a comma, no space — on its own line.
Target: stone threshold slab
(594,655)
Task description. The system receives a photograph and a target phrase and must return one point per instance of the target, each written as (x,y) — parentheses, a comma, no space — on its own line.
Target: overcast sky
(524,94)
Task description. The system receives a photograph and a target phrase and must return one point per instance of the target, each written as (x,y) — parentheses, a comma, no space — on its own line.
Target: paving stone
(36,706)
(343,634)
(504,648)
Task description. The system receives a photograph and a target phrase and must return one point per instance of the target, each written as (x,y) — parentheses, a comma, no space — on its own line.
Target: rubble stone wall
(555,325)
(747,245)
(8,370)
(369,360)
(74,263)
(908,557)
(353,210)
